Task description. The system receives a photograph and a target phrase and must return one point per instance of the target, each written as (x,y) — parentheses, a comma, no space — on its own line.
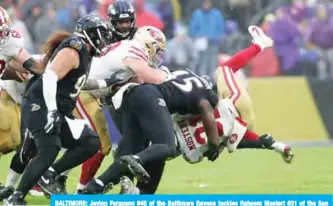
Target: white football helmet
(5,24)
(154,41)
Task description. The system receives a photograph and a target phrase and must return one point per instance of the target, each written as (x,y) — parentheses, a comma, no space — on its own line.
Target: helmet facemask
(156,56)
(4,35)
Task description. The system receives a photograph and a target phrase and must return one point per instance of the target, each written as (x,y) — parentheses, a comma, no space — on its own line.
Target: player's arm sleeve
(242,58)
(50,79)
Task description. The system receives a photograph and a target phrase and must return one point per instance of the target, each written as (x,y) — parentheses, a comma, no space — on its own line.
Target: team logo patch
(34,107)
(156,35)
(75,44)
(233,138)
(161,102)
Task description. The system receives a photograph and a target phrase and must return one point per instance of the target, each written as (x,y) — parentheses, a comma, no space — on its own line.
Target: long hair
(52,43)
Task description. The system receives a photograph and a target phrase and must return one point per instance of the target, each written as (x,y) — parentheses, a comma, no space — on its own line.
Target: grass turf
(244,172)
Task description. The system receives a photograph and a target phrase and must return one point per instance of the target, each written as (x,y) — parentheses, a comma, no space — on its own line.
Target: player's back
(69,87)
(10,49)
(183,93)
(104,66)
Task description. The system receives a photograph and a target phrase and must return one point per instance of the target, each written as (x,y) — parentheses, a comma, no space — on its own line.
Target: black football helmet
(122,18)
(95,31)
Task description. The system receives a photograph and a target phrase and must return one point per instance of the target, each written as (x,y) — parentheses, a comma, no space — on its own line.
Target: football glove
(213,153)
(53,124)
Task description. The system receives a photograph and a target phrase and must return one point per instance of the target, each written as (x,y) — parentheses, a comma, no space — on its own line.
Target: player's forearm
(242,58)
(93,84)
(98,93)
(144,72)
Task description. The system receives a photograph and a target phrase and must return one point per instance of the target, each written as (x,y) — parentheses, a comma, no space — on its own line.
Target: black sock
(16,165)
(156,153)
(76,156)
(250,144)
(114,173)
(37,167)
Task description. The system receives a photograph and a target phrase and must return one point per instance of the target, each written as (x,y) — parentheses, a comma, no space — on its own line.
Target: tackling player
(89,106)
(146,107)
(51,99)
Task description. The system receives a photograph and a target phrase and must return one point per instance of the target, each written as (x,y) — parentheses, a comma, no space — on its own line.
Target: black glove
(213,153)
(119,77)
(53,124)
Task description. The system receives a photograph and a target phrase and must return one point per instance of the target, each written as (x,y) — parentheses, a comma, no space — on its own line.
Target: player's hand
(213,153)
(22,76)
(120,77)
(53,122)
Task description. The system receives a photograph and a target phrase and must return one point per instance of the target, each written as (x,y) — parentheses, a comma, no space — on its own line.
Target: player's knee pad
(16,164)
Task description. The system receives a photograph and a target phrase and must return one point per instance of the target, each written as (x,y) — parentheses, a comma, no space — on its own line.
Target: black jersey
(183,93)
(69,87)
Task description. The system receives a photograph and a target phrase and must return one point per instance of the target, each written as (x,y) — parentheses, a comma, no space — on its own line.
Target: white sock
(279,146)
(12,178)
(80,186)
(65,173)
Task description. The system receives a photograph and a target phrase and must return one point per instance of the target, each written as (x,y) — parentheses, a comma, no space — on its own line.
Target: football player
(51,99)
(139,56)
(122,19)
(233,91)
(12,53)
(142,109)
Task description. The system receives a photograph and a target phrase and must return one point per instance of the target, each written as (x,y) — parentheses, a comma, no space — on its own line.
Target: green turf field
(251,172)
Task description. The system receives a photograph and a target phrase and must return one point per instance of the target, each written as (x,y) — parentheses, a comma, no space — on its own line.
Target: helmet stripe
(2,16)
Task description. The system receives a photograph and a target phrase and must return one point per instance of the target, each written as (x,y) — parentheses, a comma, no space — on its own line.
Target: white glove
(260,38)
(53,124)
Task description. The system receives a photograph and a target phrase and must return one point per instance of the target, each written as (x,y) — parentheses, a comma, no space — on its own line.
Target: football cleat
(49,184)
(126,185)
(136,168)
(260,38)
(93,187)
(61,179)
(15,199)
(36,191)
(5,192)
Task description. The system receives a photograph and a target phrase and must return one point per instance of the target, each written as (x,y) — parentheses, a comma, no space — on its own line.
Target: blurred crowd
(201,33)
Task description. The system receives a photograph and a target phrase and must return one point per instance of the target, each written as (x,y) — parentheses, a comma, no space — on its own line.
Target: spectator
(34,13)
(207,28)
(165,10)
(45,27)
(179,50)
(20,26)
(286,36)
(321,39)
(145,17)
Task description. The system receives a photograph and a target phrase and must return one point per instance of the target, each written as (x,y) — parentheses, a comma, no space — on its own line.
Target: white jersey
(15,89)
(103,67)
(191,135)
(10,49)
